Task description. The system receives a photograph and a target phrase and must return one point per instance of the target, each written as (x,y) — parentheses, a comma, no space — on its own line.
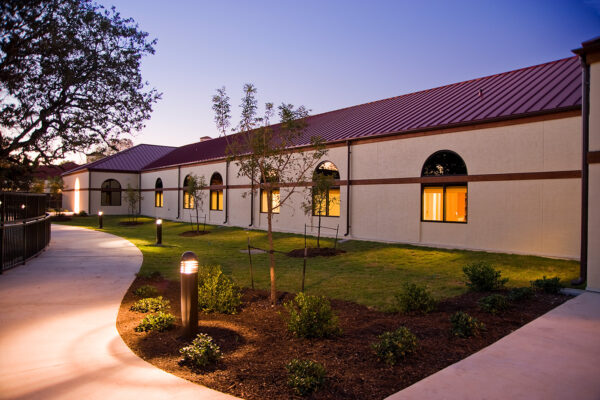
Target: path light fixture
(100,221)
(189,293)
(159,231)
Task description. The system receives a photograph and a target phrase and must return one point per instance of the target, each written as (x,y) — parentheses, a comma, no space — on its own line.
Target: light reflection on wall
(76,205)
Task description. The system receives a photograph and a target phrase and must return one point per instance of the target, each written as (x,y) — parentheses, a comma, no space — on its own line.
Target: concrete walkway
(58,338)
(556,356)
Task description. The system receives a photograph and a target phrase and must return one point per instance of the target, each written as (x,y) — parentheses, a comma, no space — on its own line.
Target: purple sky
(328,55)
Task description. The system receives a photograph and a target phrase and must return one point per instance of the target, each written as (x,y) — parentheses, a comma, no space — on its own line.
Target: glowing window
(158,193)
(325,195)
(110,193)
(188,199)
(274,201)
(445,202)
(216,195)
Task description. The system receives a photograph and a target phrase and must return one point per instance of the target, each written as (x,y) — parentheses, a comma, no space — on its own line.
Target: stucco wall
(73,199)
(535,216)
(593,281)
(124,179)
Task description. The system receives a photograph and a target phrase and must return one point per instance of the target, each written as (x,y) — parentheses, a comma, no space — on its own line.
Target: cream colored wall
(124,179)
(593,280)
(69,194)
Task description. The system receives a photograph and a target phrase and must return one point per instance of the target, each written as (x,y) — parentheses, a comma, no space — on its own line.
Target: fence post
(1,247)
(250,257)
(24,242)
(336,236)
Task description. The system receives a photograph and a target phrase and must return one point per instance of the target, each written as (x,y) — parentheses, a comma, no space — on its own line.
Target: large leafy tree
(69,79)
(265,154)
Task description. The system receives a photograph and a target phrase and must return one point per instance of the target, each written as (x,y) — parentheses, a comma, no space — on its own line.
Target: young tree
(263,154)
(320,200)
(56,186)
(197,190)
(69,79)
(133,198)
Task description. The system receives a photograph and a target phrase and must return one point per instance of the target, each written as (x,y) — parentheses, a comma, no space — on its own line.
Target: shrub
(311,317)
(150,304)
(202,352)
(482,277)
(463,325)
(548,285)
(305,376)
(394,346)
(217,292)
(154,275)
(160,321)
(519,294)
(82,213)
(493,303)
(146,291)
(415,298)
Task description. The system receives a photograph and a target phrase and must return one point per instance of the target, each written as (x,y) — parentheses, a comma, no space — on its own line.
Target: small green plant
(82,213)
(415,298)
(150,304)
(395,345)
(482,277)
(154,275)
(548,285)
(305,376)
(463,325)
(520,293)
(311,317)
(159,322)
(217,292)
(146,291)
(202,352)
(494,303)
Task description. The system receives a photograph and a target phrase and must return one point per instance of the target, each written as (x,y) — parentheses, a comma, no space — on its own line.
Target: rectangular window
(188,200)
(274,202)
(334,202)
(216,200)
(328,206)
(158,199)
(445,203)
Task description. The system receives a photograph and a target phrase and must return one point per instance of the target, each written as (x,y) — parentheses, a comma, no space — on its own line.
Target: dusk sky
(327,55)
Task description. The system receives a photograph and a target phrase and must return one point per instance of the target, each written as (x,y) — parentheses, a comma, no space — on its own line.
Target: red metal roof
(130,160)
(544,88)
(47,171)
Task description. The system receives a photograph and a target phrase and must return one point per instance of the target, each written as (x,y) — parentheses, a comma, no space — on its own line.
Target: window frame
(158,194)
(110,191)
(444,186)
(276,210)
(219,193)
(188,200)
(336,176)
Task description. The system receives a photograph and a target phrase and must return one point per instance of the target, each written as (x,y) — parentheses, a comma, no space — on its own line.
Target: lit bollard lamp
(158,232)
(100,222)
(189,293)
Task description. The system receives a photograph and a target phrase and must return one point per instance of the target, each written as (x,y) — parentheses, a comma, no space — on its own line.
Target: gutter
(585,118)
(348,190)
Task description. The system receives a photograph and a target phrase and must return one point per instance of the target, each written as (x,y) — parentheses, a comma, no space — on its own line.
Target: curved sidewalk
(58,338)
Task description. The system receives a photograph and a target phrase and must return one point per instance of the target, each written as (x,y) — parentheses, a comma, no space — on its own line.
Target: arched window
(188,199)
(264,199)
(110,193)
(445,201)
(158,193)
(216,195)
(325,192)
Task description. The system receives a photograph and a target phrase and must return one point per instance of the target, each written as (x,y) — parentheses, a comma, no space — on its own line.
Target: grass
(369,273)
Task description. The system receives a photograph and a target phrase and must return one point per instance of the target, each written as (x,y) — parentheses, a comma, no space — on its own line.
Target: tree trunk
(319,232)
(271,253)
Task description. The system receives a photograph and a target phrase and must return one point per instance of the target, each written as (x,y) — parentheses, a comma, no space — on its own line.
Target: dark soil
(60,218)
(193,233)
(256,345)
(315,252)
(131,223)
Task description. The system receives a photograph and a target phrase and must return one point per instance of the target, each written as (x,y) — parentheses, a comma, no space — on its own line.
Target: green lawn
(368,273)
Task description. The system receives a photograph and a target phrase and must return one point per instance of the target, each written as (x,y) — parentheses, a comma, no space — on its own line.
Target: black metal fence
(24,227)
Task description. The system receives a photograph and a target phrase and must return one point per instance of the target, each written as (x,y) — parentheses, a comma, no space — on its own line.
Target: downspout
(348,191)
(89,192)
(252,202)
(178,199)
(140,192)
(585,119)
(226,192)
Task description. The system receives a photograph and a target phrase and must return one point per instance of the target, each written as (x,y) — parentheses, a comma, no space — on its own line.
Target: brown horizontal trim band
(593,157)
(566,112)
(116,171)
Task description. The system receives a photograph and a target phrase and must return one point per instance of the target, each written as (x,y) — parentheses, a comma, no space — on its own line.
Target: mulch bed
(256,345)
(315,252)
(60,218)
(131,223)
(193,233)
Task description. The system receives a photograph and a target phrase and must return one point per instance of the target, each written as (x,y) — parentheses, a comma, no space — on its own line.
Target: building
(493,163)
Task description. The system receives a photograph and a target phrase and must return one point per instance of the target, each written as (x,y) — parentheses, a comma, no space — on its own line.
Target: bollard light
(100,222)
(189,293)
(159,231)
